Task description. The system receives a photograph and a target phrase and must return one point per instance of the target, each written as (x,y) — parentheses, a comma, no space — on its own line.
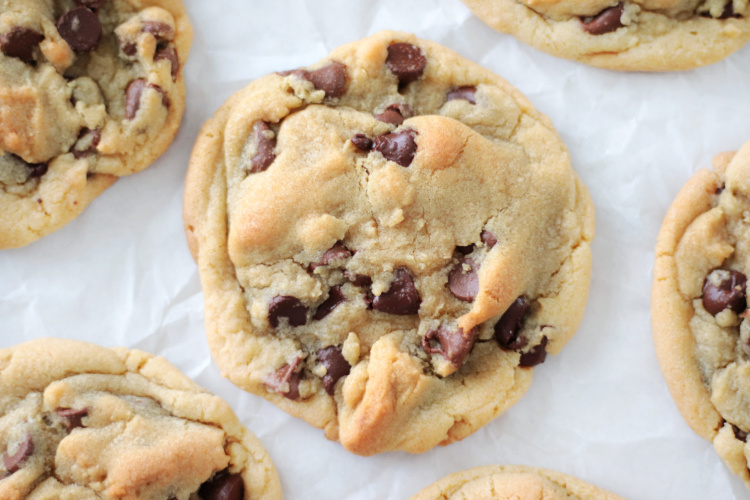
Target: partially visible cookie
(389,241)
(90,90)
(80,421)
(699,305)
(636,35)
(512,482)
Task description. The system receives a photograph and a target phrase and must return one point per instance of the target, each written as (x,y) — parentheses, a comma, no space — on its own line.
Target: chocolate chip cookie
(388,242)
(699,306)
(90,90)
(79,421)
(517,482)
(640,35)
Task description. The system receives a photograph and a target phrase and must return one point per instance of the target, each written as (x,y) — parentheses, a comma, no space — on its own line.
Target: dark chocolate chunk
(399,147)
(336,366)
(285,381)
(330,79)
(401,298)
(739,433)
(133,97)
(37,169)
(25,449)
(128,48)
(362,142)
(358,279)
(724,289)
(395,114)
(88,138)
(464,284)
(465,249)
(535,356)
(170,54)
(81,28)
(728,11)
(72,418)
(604,22)
(223,486)
(453,345)
(92,4)
(20,42)
(336,252)
(158,29)
(506,329)
(335,297)
(266,145)
(466,93)
(406,61)
(284,306)
(488,239)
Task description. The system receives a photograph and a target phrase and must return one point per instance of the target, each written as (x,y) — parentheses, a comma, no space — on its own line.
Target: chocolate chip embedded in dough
(453,345)
(158,29)
(358,279)
(266,145)
(406,61)
(402,297)
(337,252)
(73,418)
(133,97)
(223,486)
(291,308)
(535,356)
(92,4)
(81,28)
(466,93)
(724,289)
(506,329)
(395,114)
(170,54)
(128,48)
(462,283)
(488,239)
(20,42)
(362,142)
(739,433)
(465,249)
(336,366)
(87,139)
(285,381)
(25,449)
(330,79)
(606,21)
(37,169)
(335,297)
(399,147)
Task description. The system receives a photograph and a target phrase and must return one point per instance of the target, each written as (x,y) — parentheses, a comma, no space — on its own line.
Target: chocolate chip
(362,142)
(128,48)
(464,284)
(453,345)
(739,433)
(81,28)
(88,139)
(395,114)
(401,298)
(604,22)
(170,54)
(488,239)
(336,366)
(724,289)
(285,381)
(358,279)
(535,356)
(158,29)
(37,169)
(223,486)
(25,450)
(728,11)
(73,418)
(335,297)
(266,145)
(337,252)
(133,97)
(466,93)
(284,306)
(465,249)
(406,61)
(20,42)
(92,4)
(399,147)
(330,79)
(506,329)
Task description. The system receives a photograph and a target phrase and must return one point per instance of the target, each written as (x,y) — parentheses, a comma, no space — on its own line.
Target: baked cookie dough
(79,421)
(90,90)
(388,241)
(638,35)
(699,308)
(512,482)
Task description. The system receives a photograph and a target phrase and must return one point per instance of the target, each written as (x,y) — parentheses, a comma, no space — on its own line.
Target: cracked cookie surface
(388,242)
(639,35)
(80,421)
(699,307)
(90,90)
(516,482)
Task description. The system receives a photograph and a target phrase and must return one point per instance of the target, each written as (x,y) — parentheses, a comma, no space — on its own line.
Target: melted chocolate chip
(158,29)
(223,486)
(335,297)
(330,79)
(285,381)
(728,11)
(399,147)
(170,54)
(284,306)
(25,449)
(20,42)
(467,93)
(92,4)
(604,22)
(81,28)
(724,290)
(401,298)
(739,433)
(266,145)
(506,330)
(133,95)
(37,169)
(535,356)
(464,284)
(336,252)
(362,142)
(406,61)
(336,367)
(465,249)
(453,345)
(90,137)
(395,114)
(358,279)
(128,48)
(72,418)
(488,239)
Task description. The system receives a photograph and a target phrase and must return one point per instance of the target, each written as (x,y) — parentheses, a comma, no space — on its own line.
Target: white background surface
(121,273)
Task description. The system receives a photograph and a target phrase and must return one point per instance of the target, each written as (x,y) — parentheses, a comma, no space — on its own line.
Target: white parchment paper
(121,273)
